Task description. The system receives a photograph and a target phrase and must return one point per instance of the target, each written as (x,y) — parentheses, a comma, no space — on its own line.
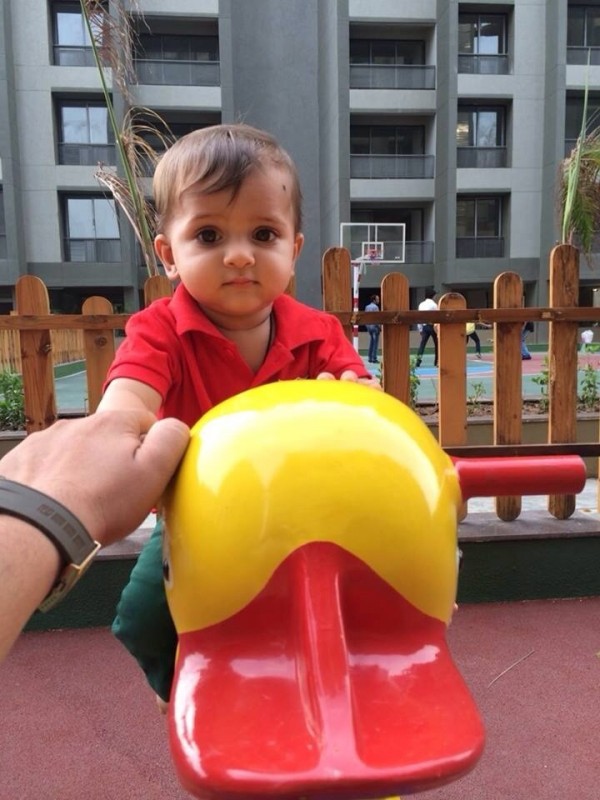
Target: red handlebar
(520,475)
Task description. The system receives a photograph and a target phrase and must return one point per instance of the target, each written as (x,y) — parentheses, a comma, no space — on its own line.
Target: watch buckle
(66,580)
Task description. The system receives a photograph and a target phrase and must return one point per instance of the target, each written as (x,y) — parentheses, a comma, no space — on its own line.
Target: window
(389,64)
(85,133)
(482,43)
(478,227)
(386,51)
(480,135)
(416,249)
(91,229)
(178,60)
(389,151)
(3,248)
(72,46)
(574,116)
(387,139)
(583,35)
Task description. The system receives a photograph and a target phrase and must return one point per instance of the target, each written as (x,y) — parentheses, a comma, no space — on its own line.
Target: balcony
(65,56)
(391,167)
(489,64)
(93,250)
(391,76)
(86,155)
(177,72)
(580,56)
(480,157)
(418,253)
(480,247)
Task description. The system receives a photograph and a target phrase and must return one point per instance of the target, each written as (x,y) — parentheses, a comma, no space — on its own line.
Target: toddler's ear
(298,244)
(162,248)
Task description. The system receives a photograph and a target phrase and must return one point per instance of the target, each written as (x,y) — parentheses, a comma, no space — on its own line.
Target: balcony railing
(480,157)
(3,247)
(93,250)
(489,64)
(419,253)
(580,55)
(391,167)
(177,72)
(86,155)
(480,247)
(73,56)
(392,76)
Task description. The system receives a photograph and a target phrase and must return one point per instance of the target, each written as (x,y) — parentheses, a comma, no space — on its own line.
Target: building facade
(442,122)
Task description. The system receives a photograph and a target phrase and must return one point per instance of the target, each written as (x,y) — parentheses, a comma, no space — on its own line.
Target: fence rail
(36,330)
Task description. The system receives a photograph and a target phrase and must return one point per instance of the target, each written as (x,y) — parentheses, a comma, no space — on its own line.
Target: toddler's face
(234,255)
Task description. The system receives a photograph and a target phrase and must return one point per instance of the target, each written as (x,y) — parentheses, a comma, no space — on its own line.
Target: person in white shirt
(428,331)
(587,337)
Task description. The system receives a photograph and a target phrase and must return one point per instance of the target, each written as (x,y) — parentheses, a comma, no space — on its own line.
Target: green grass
(63,370)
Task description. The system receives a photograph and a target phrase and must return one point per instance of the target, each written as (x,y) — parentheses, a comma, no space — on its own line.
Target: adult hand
(108,469)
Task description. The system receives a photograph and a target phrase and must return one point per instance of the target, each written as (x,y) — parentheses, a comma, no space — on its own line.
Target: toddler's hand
(350,375)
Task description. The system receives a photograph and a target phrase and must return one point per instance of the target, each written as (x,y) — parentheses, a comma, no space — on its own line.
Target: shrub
(12,406)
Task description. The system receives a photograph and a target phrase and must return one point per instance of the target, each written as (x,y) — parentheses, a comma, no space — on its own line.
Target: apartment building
(437,125)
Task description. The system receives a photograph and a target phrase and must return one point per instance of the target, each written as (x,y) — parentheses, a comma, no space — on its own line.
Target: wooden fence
(34,325)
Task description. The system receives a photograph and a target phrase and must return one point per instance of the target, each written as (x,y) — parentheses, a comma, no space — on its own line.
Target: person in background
(472,334)
(525,330)
(428,331)
(587,337)
(107,471)
(373,330)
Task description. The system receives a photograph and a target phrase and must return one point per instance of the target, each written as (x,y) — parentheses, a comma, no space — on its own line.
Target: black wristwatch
(65,531)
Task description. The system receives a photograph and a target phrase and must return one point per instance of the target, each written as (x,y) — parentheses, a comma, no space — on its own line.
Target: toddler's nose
(239,254)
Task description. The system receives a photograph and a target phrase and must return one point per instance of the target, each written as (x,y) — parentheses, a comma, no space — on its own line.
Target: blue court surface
(71,390)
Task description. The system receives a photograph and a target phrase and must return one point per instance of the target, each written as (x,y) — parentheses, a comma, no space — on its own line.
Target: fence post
(508,369)
(396,338)
(99,350)
(452,382)
(337,288)
(36,356)
(156,287)
(562,362)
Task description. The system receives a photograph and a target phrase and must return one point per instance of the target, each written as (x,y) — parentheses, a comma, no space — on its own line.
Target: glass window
(161,47)
(482,34)
(85,123)
(480,127)
(389,140)
(72,46)
(91,218)
(583,27)
(574,114)
(387,51)
(478,217)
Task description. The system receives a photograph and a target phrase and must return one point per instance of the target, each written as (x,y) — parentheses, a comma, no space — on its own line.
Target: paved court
(71,392)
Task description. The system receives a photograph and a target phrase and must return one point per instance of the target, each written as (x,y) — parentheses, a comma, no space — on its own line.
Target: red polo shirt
(174,348)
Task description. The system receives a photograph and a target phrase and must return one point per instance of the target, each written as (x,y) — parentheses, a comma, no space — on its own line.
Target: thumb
(162,449)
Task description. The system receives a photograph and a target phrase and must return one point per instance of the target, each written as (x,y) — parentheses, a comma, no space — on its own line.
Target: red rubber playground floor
(79,723)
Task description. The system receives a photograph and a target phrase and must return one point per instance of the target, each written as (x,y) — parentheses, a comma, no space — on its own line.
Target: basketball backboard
(374,242)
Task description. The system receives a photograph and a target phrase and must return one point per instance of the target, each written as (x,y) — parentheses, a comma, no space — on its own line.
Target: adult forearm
(29,565)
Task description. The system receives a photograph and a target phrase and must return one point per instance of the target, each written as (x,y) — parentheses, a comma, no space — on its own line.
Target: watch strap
(64,529)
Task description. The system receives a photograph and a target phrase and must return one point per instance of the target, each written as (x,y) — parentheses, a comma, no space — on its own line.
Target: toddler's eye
(208,236)
(264,235)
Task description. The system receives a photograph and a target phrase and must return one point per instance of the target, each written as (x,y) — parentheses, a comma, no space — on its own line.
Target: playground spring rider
(312,569)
